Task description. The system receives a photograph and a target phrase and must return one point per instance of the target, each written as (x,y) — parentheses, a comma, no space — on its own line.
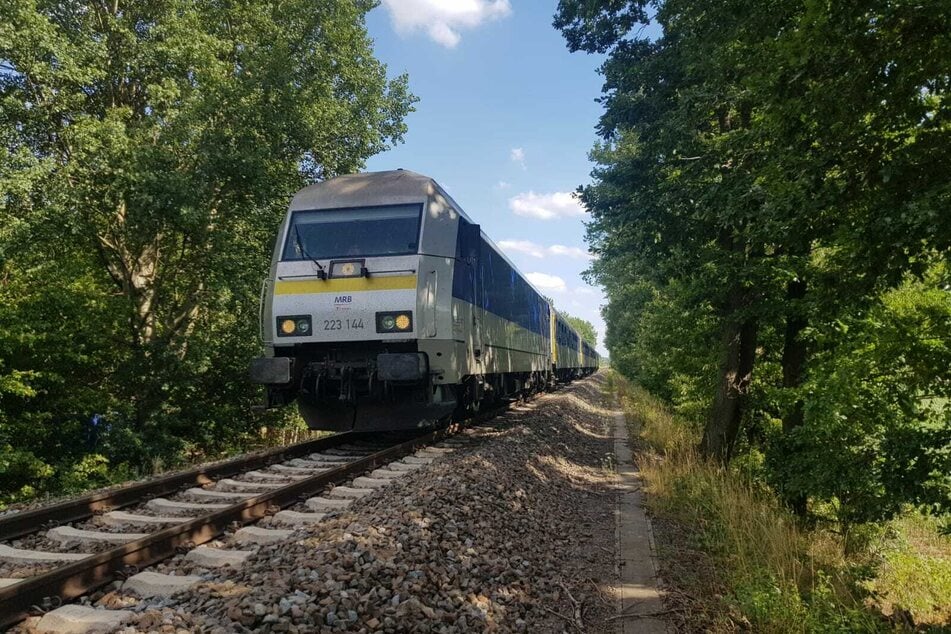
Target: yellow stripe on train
(345,284)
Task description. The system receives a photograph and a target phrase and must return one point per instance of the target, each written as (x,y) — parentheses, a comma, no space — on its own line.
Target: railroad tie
(121,518)
(348,492)
(322,465)
(327,504)
(405,466)
(364,482)
(228,484)
(21,556)
(231,495)
(330,458)
(217,557)
(81,619)
(436,451)
(67,534)
(305,471)
(282,477)
(257,535)
(295,518)
(385,472)
(155,584)
(420,460)
(163,505)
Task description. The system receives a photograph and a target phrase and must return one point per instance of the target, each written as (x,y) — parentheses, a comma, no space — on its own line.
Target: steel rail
(18,524)
(80,577)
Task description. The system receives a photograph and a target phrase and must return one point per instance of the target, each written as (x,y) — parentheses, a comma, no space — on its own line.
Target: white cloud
(546,206)
(571,252)
(502,185)
(443,19)
(523,246)
(517,155)
(546,282)
(540,251)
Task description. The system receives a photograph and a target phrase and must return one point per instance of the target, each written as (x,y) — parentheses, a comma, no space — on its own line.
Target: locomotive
(387,308)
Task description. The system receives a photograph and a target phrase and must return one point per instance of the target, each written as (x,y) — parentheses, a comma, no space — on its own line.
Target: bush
(877,432)
(22,475)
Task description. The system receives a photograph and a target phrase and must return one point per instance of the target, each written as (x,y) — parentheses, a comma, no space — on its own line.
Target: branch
(643,615)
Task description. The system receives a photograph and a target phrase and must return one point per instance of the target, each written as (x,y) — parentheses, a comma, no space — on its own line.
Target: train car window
(506,293)
(360,231)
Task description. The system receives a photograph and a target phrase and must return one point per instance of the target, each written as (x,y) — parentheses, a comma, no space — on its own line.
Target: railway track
(52,555)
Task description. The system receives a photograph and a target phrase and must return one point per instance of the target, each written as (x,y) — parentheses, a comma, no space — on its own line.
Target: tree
(783,165)
(676,184)
(169,134)
(154,145)
(584,328)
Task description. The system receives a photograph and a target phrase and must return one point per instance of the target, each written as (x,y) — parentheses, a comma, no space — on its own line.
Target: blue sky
(505,121)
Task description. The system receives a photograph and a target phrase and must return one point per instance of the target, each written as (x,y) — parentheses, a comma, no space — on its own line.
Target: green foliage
(584,328)
(769,208)
(21,474)
(148,151)
(662,336)
(877,431)
(915,572)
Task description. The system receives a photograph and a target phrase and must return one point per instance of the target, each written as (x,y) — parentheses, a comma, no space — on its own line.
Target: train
(387,308)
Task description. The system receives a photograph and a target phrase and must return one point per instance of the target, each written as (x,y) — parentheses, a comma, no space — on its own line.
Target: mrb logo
(343,301)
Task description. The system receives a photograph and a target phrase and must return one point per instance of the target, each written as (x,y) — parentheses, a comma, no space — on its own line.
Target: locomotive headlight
(347,268)
(293,326)
(397,321)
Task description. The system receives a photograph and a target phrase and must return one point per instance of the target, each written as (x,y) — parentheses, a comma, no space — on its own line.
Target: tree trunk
(794,351)
(736,371)
(794,363)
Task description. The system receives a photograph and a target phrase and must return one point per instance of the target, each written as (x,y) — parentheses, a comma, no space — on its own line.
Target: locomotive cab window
(361,231)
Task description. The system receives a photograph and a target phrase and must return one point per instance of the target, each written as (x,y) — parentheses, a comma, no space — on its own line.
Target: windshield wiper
(321,273)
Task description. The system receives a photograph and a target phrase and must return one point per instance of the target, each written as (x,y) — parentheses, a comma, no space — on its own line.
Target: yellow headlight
(288,326)
(347,268)
(402,322)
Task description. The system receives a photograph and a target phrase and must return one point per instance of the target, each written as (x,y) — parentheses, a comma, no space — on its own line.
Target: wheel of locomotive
(476,394)
(468,402)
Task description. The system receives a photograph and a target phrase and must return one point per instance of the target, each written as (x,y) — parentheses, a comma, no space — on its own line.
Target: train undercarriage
(381,387)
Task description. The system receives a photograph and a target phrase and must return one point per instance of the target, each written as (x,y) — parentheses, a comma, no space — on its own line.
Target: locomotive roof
(370,188)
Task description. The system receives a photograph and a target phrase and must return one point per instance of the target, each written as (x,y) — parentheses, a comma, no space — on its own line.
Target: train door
(430,290)
(471,247)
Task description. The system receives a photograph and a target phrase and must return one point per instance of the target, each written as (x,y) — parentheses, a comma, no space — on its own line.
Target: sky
(504,123)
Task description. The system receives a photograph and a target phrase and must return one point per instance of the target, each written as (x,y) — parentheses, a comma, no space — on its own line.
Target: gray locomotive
(387,308)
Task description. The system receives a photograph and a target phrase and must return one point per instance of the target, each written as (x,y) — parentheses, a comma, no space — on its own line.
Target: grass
(914,576)
(744,562)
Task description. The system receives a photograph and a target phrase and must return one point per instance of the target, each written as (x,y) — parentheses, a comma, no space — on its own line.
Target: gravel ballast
(511,531)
